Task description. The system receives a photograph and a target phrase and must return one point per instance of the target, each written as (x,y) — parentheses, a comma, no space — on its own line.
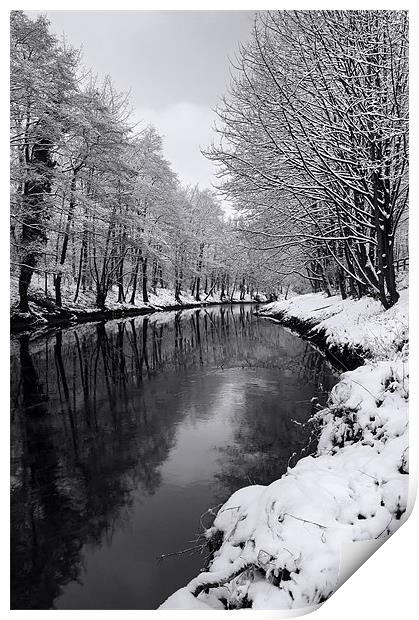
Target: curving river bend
(123,433)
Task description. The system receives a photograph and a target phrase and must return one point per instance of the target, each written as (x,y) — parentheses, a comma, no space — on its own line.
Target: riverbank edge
(347,358)
(49,315)
(342,358)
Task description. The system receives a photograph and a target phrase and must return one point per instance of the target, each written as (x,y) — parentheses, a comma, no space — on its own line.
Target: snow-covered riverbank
(279,546)
(358,325)
(45,312)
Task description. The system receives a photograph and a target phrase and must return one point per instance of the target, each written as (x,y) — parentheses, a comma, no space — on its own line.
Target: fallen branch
(215,580)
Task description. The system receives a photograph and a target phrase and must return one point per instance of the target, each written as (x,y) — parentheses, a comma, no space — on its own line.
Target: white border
(385,587)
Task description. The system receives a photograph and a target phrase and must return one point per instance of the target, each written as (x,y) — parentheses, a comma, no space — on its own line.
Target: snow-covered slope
(359,323)
(278,547)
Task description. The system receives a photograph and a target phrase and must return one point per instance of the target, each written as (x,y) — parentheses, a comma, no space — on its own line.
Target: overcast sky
(174,62)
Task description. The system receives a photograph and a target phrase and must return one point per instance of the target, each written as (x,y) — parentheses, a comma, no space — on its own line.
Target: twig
(189,549)
(324,527)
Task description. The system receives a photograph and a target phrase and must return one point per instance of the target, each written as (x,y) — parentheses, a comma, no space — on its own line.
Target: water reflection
(124,433)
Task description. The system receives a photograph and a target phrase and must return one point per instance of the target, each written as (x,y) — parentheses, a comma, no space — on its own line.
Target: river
(124,433)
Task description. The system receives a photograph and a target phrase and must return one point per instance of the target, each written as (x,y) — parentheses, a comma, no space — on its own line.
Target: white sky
(175,63)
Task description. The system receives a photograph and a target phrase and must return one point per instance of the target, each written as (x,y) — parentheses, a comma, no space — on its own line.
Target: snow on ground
(86,300)
(279,546)
(165,298)
(357,323)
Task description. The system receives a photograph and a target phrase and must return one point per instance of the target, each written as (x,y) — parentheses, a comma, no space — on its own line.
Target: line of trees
(314,146)
(95,207)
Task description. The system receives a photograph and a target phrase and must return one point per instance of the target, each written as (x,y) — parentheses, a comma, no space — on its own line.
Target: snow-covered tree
(313,145)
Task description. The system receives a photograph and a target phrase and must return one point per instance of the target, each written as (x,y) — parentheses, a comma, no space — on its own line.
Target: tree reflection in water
(96,412)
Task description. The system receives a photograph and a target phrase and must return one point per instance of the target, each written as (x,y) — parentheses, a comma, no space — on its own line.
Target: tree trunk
(198,279)
(100,297)
(25,277)
(134,284)
(76,294)
(121,294)
(70,214)
(144,272)
(342,284)
(178,284)
(34,214)
(154,277)
(198,282)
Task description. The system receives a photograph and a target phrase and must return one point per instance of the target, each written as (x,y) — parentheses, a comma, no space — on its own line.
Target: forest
(311,147)
(315,146)
(94,204)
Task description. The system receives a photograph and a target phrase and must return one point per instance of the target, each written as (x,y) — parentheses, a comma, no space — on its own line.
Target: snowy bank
(44,311)
(279,546)
(351,329)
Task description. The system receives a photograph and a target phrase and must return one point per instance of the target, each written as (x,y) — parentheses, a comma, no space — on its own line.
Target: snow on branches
(314,145)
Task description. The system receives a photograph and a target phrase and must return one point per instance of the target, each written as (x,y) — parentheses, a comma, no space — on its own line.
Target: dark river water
(125,432)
